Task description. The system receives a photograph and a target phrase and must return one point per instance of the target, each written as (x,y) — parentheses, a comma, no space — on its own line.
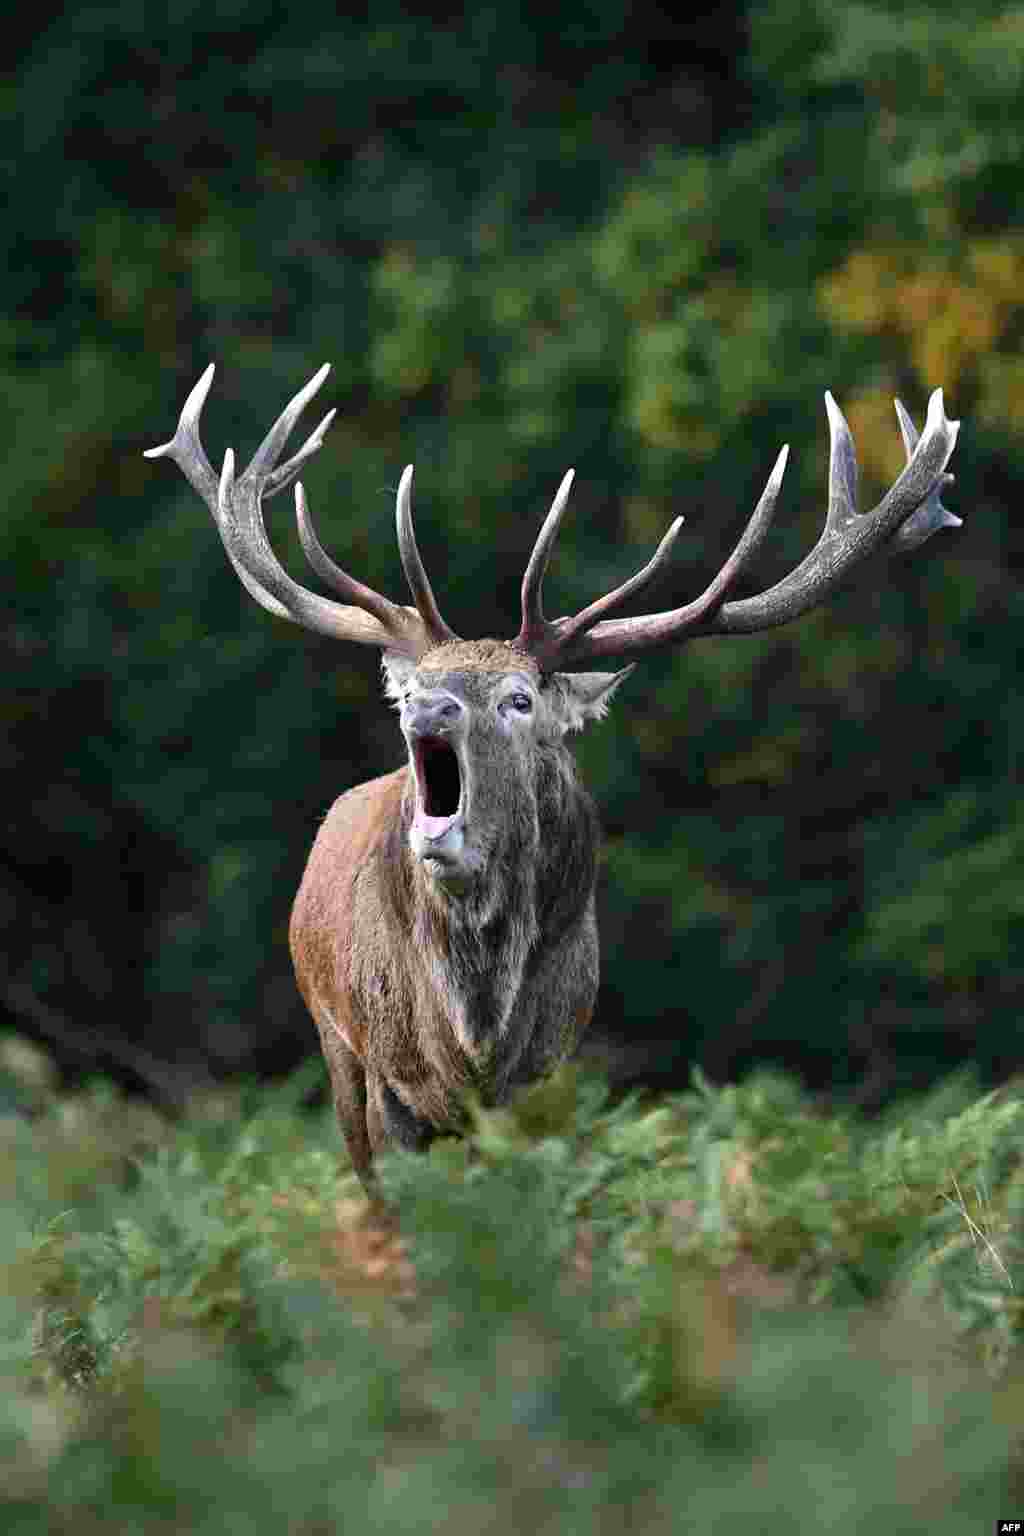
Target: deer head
(483,728)
(471,712)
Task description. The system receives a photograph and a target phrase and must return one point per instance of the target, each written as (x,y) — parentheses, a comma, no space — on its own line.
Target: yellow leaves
(770,761)
(1002,392)
(955,325)
(660,425)
(861,296)
(953,315)
(999,266)
(644,519)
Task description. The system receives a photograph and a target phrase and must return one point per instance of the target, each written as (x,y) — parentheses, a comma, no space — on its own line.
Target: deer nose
(433,714)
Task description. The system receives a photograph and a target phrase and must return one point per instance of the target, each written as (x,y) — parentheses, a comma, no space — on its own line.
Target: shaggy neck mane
(478,944)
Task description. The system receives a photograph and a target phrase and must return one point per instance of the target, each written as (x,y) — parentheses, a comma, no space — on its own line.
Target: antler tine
(908,513)
(389,614)
(415,572)
(185,448)
(535,628)
(843,473)
(279,479)
(742,557)
(931,515)
(909,433)
(269,451)
(570,629)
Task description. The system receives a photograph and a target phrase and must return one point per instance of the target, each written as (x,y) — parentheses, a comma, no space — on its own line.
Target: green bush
(662,1314)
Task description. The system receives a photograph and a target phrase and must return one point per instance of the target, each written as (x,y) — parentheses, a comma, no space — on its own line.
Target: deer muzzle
(434,731)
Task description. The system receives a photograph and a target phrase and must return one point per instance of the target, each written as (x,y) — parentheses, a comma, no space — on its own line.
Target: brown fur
(477,656)
(422,995)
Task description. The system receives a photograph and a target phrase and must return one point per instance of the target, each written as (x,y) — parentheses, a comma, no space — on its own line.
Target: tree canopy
(538,238)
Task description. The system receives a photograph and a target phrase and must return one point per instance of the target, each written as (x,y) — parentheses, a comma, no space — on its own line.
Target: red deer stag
(444,935)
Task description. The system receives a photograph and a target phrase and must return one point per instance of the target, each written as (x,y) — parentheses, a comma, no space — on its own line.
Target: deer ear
(397,671)
(577,697)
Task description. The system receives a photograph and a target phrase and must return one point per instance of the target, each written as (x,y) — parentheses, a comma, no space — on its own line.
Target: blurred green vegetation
(543,237)
(658,1313)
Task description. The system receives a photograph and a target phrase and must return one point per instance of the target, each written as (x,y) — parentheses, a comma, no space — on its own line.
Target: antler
(236,505)
(908,514)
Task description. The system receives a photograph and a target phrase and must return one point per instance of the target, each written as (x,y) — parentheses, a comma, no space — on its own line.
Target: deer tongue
(433,827)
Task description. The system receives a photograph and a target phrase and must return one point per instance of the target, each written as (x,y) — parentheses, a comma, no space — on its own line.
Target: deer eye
(521,701)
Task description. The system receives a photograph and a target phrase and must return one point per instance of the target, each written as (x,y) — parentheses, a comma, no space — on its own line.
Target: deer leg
(348,1083)
(389,1119)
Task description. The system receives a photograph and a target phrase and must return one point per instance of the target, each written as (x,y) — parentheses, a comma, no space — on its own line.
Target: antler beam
(908,514)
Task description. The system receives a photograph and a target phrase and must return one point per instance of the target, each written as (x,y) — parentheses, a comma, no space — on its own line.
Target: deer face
(481,725)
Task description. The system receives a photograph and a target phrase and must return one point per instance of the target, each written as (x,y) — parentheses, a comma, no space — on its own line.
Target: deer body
(444,935)
(425,990)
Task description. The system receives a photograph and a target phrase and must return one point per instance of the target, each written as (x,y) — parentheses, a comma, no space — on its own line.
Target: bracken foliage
(720,1305)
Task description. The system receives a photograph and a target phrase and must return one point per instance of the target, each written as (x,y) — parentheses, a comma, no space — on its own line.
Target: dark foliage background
(538,237)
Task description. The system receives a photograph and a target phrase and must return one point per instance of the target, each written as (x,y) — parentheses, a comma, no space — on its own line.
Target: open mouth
(438,784)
